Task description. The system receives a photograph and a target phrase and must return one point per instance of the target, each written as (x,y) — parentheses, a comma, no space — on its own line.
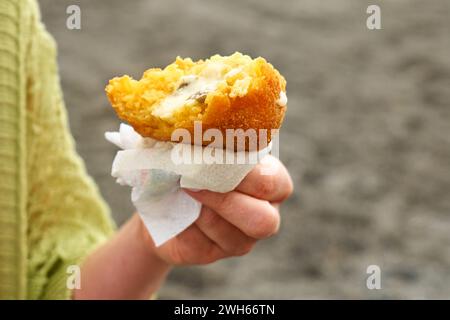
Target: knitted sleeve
(66,217)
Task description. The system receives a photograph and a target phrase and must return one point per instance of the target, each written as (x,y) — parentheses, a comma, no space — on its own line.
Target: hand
(230,223)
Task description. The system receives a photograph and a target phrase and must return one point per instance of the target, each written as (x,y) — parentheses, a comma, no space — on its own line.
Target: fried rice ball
(230,92)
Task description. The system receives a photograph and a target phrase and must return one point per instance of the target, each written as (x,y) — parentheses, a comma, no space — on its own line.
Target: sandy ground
(366,138)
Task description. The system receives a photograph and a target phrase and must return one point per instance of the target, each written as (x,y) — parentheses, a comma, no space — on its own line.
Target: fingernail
(194,190)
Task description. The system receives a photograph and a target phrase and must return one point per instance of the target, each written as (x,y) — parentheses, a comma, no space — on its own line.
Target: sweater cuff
(57,286)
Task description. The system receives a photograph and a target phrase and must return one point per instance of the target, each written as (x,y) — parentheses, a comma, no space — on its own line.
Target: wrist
(148,246)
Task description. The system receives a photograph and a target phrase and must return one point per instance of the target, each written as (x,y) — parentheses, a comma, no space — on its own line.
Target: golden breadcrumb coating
(228,92)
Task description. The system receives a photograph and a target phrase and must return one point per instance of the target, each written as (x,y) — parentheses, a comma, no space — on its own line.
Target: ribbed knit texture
(51,213)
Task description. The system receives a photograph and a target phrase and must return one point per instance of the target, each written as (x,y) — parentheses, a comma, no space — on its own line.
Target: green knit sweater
(51,213)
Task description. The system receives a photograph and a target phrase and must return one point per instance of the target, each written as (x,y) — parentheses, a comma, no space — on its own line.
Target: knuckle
(211,255)
(266,187)
(224,202)
(266,224)
(244,249)
(209,219)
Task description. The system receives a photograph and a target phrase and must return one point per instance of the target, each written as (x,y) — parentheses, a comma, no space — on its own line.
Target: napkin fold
(157,173)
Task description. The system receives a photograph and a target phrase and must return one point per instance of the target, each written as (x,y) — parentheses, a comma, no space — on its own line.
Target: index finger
(256,218)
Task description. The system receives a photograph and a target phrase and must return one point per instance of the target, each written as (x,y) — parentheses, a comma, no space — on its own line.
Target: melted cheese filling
(194,88)
(184,96)
(191,89)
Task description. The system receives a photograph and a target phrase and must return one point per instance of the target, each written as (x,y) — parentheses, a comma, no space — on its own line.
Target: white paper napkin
(156,178)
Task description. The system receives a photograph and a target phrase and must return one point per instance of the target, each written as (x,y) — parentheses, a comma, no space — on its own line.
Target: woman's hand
(231,223)
(129,266)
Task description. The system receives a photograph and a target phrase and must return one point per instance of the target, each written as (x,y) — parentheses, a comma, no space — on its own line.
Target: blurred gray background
(366,137)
